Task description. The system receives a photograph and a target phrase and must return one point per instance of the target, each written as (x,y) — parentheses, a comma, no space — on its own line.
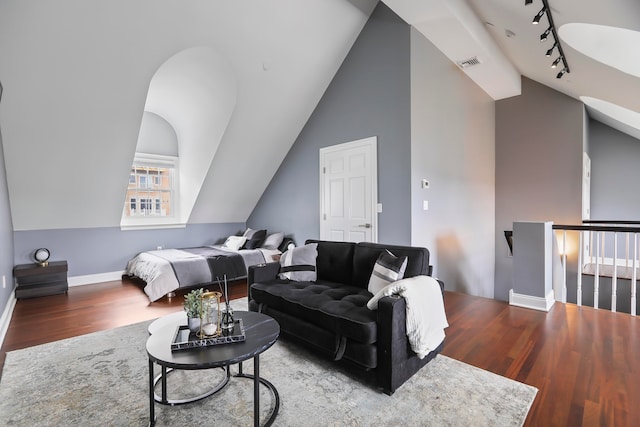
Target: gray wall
(453,146)
(103,250)
(369,96)
(539,143)
(6,233)
(615,174)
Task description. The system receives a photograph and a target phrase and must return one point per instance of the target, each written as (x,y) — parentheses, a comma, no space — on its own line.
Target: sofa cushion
(332,306)
(335,261)
(299,263)
(387,269)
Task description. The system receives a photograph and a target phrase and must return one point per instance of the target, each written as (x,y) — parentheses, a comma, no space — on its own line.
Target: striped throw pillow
(299,263)
(387,269)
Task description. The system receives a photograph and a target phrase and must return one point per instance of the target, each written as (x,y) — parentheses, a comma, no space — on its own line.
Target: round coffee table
(261,332)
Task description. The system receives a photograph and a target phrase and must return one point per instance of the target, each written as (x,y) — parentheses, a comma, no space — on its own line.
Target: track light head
(543,36)
(527,2)
(556,62)
(550,51)
(561,73)
(538,17)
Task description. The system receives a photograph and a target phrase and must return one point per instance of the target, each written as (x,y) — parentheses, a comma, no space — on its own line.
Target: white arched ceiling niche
(157,136)
(615,47)
(195,92)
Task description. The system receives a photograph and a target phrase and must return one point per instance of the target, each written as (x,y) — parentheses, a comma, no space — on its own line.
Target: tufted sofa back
(352,263)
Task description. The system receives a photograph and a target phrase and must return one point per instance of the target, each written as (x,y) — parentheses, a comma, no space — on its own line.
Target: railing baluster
(596,278)
(634,275)
(591,248)
(563,297)
(580,254)
(614,278)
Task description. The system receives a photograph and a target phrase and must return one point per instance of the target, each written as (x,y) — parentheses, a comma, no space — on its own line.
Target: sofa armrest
(397,362)
(392,330)
(261,273)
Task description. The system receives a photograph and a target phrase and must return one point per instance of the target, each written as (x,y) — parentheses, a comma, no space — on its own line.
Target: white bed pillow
(234,243)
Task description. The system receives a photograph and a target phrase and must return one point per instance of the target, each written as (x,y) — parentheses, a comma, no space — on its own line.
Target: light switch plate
(425,205)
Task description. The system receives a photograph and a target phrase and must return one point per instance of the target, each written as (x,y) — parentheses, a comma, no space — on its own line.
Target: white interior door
(349,191)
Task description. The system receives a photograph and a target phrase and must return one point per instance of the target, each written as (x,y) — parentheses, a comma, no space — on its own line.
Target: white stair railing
(600,254)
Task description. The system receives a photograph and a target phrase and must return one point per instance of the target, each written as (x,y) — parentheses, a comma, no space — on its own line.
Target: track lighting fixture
(543,36)
(551,32)
(538,17)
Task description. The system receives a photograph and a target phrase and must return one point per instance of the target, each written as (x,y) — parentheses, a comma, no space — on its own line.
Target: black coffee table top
(261,333)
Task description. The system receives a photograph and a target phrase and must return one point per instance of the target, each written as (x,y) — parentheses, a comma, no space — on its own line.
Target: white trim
(528,301)
(6,316)
(91,279)
(150,226)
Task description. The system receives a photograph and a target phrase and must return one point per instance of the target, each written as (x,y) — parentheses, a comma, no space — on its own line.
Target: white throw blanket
(426,318)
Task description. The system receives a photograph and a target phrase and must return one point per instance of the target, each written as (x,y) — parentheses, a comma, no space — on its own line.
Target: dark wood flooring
(584,362)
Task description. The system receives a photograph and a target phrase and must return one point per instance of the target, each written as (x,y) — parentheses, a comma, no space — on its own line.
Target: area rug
(101,379)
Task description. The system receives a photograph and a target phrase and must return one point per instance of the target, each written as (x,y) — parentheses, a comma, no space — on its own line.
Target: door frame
(371,143)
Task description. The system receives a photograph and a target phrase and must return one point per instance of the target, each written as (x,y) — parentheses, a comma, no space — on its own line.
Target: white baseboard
(528,301)
(91,279)
(6,316)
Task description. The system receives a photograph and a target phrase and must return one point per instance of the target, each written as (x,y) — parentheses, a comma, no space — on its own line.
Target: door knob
(365,225)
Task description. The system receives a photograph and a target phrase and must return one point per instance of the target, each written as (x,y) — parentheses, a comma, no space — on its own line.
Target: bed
(166,270)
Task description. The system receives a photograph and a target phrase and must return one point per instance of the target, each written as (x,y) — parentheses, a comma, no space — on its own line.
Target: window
(151,193)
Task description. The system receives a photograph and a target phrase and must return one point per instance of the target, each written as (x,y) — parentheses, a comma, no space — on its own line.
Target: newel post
(532,265)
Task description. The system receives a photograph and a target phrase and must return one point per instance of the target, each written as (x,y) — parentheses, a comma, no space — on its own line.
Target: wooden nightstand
(34,280)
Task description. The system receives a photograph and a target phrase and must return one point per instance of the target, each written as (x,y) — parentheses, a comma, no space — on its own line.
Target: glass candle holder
(210,315)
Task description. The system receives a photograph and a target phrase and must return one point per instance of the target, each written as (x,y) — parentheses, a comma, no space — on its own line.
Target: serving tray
(185,339)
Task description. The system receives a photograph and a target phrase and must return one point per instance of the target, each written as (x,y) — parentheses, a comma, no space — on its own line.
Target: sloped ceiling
(501,35)
(76,76)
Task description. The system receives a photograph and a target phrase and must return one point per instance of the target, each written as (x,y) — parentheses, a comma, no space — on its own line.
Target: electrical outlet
(159,247)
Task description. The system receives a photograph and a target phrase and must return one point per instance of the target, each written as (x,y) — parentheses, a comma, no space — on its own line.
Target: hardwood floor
(584,362)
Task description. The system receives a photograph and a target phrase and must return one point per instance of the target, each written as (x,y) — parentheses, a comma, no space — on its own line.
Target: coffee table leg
(152,401)
(164,384)
(256,394)
(256,390)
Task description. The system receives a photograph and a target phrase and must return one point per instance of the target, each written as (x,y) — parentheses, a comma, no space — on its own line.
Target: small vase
(194,324)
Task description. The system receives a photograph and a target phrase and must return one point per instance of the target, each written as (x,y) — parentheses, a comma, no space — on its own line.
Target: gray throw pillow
(273,241)
(387,269)
(299,263)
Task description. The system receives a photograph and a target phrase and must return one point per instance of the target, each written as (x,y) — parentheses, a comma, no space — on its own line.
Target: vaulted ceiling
(600,41)
(76,77)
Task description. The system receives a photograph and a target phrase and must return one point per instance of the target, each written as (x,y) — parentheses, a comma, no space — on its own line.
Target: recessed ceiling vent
(466,63)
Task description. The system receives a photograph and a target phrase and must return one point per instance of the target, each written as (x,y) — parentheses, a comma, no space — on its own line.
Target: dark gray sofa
(331,316)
